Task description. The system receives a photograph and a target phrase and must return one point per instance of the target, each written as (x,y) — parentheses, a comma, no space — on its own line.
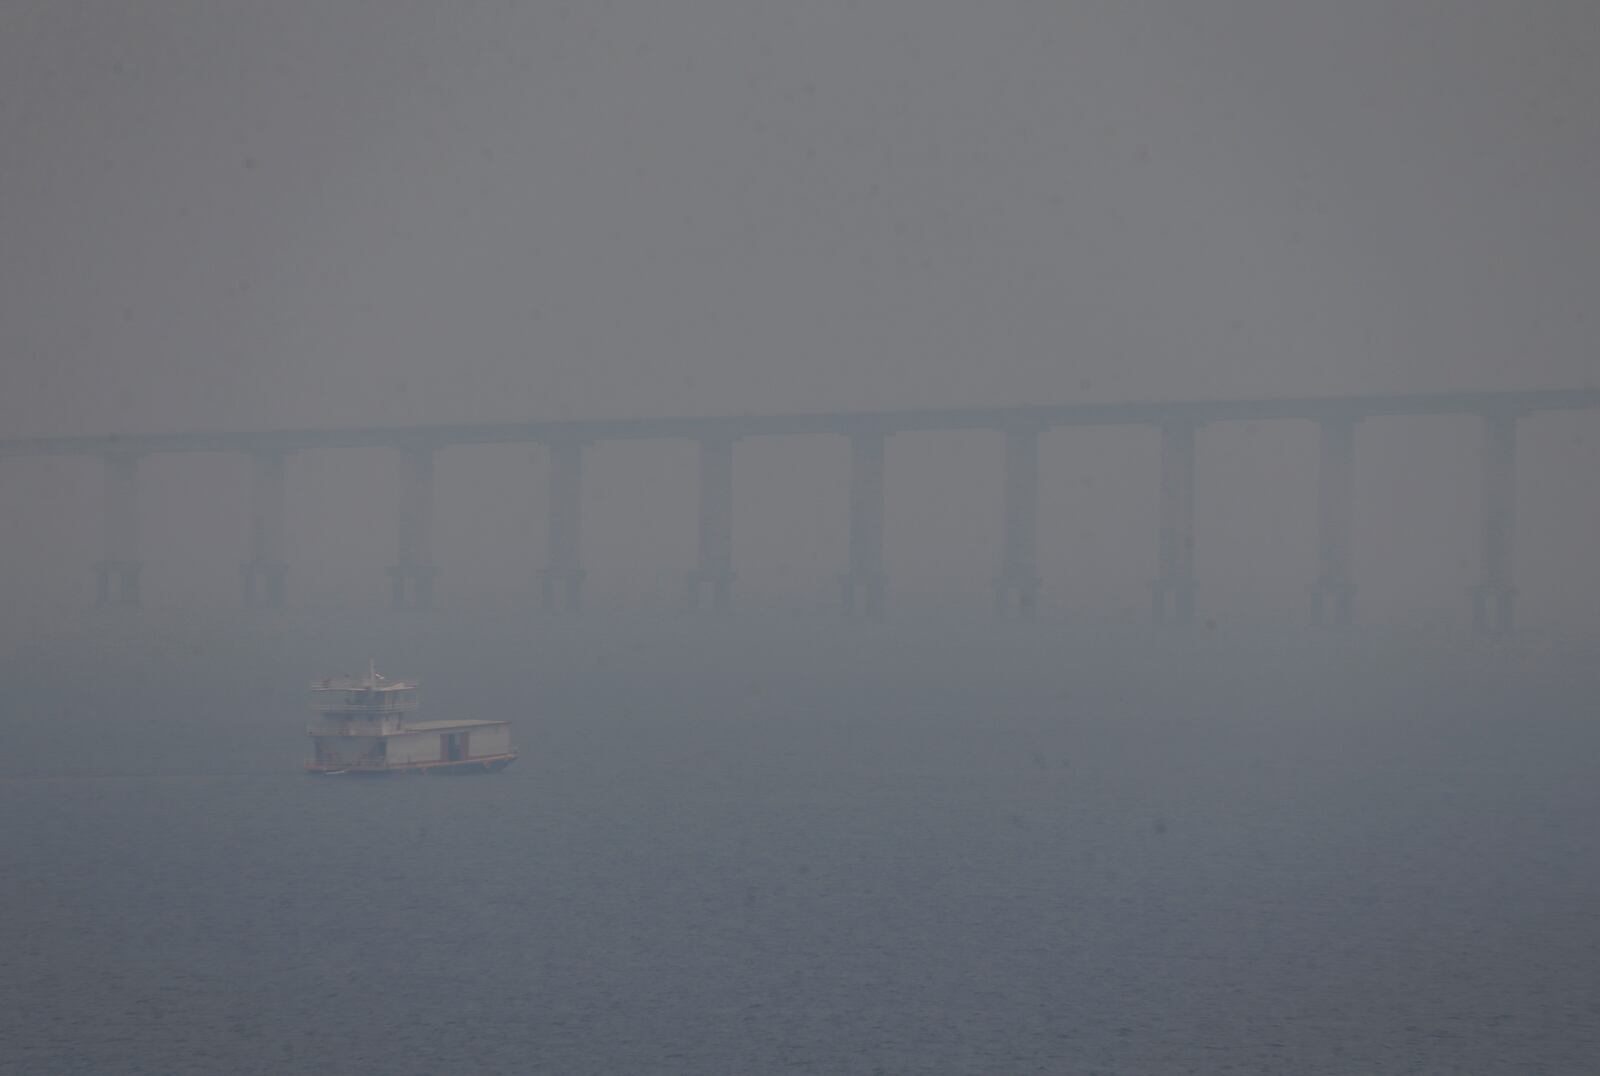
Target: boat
(368,726)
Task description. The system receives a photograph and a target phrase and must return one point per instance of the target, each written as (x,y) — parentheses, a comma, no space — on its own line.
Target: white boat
(369,727)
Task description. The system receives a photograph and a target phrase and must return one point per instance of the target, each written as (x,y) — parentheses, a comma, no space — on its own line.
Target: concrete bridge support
(561,580)
(714,569)
(1016,587)
(1173,591)
(1333,592)
(263,575)
(1494,597)
(865,585)
(117,576)
(411,580)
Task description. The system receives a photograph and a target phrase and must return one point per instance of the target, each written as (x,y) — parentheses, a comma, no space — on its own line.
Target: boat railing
(382,707)
(355,730)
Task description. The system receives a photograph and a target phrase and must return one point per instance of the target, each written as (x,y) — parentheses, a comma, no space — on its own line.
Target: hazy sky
(225,214)
(229,213)
(1246,847)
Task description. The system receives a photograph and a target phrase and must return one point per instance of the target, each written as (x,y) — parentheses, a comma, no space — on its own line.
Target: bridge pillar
(1018,577)
(561,580)
(1173,591)
(715,566)
(1494,597)
(117,575)
(411,579)
(865,584)
(262,576)
(1333,592)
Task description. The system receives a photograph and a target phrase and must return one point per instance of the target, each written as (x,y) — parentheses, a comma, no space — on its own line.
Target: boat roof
(373,681)
(335,683)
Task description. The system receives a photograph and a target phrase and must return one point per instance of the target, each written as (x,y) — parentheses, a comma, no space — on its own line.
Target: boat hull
(472,767)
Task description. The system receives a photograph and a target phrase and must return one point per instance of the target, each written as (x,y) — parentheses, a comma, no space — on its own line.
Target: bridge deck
(841,422)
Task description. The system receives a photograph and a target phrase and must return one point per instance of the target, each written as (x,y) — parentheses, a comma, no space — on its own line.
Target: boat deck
(443,726)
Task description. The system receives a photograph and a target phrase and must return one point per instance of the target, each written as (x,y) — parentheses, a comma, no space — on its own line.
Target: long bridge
(864,584)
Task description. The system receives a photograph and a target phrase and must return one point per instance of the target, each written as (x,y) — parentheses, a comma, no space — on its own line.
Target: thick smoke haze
(236,215)
(783,838)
